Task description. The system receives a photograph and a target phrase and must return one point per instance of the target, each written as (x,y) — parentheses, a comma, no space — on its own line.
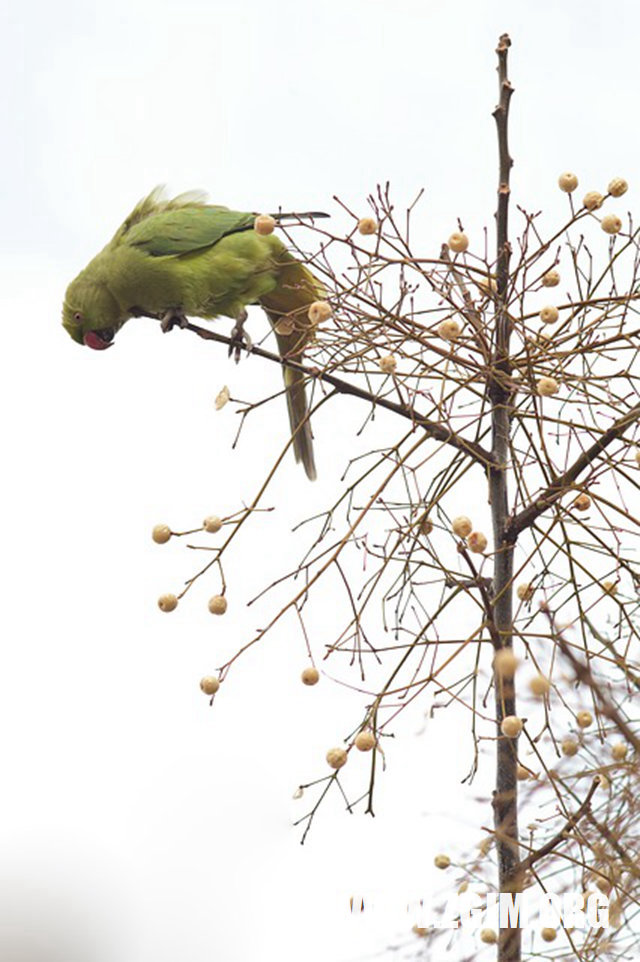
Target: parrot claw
(239,338)
(173,318)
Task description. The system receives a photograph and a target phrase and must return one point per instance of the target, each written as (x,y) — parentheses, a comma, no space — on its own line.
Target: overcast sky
(164,826)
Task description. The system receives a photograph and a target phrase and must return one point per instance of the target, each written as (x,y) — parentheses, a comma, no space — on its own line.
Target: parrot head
(90,314)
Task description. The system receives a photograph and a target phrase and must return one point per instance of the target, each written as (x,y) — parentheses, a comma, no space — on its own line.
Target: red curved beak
(94,341)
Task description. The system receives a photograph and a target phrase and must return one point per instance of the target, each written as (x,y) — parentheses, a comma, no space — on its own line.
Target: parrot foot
(173,318)
(239,338)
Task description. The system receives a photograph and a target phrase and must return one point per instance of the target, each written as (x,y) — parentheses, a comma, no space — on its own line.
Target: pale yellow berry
(217,605)
(525,591)
(505,663)
(522,773)
(567,182)
(618,186)
(584,719)
(615,913)
(610,587)
(477,542)
(365,741)
(489,286)
(319,311)
(548,934)
(488,936)
(449,330)
(604,884)
(461,526)
(161,533)
(310,676)
(442,861)
(285,326)
(549,315)
(264,224)
(603,781)
(611,224)
(582,502)
(619,751)
(547,386)
(551,279)
(511,726)
(483,846)
(212,524)
(592,200)
(367,225)
(637,456)
(167,602)
(539,686)
(462,888)
(569,746)
(299,792)
(458,242)
(388,364)
(222,398)
(209,685)
(336,757)
(426,526)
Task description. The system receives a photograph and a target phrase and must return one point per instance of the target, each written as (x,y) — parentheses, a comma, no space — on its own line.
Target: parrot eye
(78,317)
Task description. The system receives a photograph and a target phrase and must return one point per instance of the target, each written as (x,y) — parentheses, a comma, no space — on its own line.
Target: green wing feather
(185,230)
(185,225)
(156,203)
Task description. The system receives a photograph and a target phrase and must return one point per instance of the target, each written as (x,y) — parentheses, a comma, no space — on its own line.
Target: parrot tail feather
(299,421)
(300,215)
(287,307)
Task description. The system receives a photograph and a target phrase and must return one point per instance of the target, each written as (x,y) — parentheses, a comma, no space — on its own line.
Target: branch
(501,116)
(505,796)
(559,487)
(434,429)
(561,836)
(469,311)
(583,673)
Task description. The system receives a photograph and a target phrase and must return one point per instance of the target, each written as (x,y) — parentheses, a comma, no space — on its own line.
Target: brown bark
(505,798)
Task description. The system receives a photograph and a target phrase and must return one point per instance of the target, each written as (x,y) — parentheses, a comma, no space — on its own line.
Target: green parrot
(172,258)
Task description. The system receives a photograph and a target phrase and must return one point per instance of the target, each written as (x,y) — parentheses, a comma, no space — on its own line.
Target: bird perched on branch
(179,257)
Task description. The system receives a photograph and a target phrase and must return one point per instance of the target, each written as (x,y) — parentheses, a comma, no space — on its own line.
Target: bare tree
(508,369)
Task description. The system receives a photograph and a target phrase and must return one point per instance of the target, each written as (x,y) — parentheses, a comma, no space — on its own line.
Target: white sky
(144,813)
